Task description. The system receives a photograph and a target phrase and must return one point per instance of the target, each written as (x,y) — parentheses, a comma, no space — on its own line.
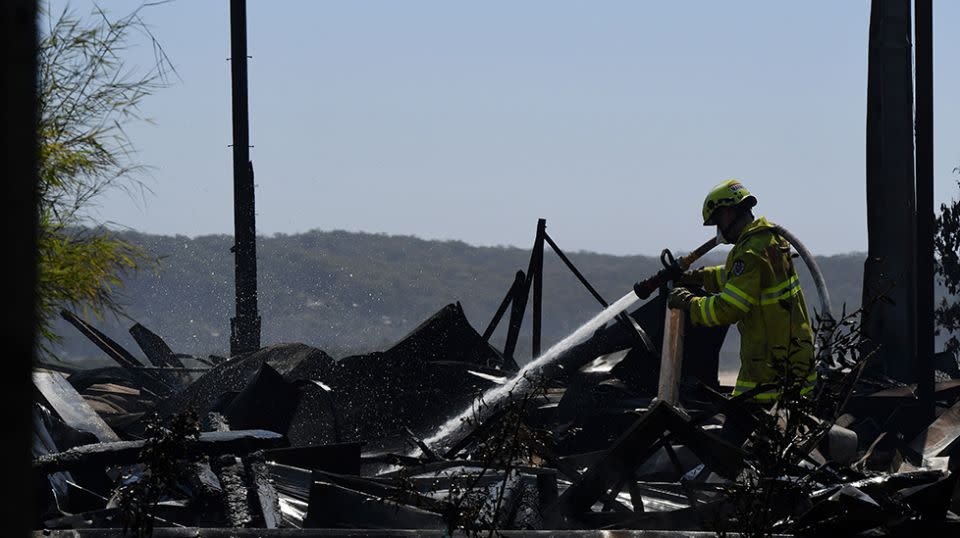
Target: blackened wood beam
(507,299)
(151,381)
(923,45)
(889,282)
(634,447)
(537,274)
(128,452)
(245,327)
(156,350)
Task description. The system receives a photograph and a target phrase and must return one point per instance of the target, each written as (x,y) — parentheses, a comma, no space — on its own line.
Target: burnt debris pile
(288,437)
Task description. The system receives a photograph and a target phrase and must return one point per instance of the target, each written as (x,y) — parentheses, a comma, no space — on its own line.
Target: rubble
(294,440)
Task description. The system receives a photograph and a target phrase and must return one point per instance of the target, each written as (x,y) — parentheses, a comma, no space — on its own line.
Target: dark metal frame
(519,293)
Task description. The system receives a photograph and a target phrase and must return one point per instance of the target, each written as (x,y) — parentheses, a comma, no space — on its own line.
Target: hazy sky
(454,120)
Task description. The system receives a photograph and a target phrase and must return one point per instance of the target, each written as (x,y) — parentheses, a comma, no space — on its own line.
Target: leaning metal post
(536,272)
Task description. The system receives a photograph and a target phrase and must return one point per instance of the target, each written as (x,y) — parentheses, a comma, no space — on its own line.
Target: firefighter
(757,289)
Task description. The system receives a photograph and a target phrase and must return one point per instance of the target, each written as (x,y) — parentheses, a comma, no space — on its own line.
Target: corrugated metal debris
(287,438)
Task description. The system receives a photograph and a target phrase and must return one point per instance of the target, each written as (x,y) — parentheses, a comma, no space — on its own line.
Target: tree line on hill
(349,293)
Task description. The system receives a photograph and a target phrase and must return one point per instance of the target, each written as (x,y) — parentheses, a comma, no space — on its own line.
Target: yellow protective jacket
(758,289)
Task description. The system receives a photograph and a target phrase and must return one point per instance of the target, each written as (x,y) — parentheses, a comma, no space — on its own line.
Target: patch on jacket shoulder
(738,267)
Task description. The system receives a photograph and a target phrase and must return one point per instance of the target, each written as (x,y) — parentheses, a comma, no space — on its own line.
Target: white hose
(827,323)
(826,309)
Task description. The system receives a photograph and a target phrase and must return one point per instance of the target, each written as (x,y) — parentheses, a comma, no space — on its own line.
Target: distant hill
(348,292)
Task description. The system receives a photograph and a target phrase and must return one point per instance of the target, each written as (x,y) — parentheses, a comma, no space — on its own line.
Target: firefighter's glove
(680,298)
(691,279)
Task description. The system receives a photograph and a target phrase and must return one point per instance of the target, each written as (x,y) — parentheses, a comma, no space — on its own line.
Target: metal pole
(518,303)
(923,46)
(534,279)
(622,317)
(245,327)
(538,285)
(576,272)
(511,293)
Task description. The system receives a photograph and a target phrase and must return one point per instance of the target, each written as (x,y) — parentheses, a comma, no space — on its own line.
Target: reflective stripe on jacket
(758,289)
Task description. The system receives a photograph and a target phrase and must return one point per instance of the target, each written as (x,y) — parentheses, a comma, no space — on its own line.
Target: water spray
(547,365)
(528,376)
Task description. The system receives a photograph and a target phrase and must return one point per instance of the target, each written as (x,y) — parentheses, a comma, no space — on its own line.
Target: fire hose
(674,267)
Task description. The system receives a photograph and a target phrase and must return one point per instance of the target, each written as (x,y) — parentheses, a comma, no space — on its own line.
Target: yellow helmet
(727,194)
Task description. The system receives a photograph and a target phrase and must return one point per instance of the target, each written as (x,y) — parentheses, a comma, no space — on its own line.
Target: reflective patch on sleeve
(736,301)
(712,311)
(737,297)
(738,267)
(702,303)
(784,290)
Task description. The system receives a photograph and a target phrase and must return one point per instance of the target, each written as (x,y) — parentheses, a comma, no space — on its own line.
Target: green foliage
(86,96)
(80,271)
(946,243)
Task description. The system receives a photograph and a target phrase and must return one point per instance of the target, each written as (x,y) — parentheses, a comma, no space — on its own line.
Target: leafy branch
(87,94)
